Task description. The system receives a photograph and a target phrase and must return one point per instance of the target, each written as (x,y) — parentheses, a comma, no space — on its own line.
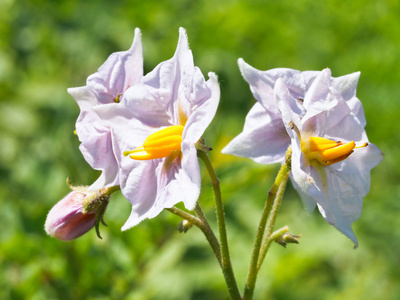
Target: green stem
(113,189)
(253,269)
(270,239)
(202,223)
(226,261)
(271,221)
(209,233)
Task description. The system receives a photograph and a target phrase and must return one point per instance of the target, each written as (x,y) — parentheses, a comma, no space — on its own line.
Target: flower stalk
(201,222)
(225,256)
(271,221)
(268,216)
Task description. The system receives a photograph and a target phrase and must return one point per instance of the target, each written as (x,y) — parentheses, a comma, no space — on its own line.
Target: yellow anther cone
(159,144)
(326,151)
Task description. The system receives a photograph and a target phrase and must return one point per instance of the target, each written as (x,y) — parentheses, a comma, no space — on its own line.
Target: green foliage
(47,46)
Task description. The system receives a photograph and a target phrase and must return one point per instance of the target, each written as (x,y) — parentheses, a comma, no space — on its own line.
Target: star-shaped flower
(108,85)
(323,121)
(154,132)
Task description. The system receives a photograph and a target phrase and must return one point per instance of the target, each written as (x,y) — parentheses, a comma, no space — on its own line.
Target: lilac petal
(325,122)
(166,79)
(349,128)
(127,131)
(109,177)
(143,103)
(357,109)
(338,202)
(179,181)
(95,137)
(355,170)
(89,124)
(262,88)
(319,97)
(162,81)
(194,91)
(341,206)
(184,57)
(289,108)
(97,148)
(262,82)
(120,71)
(189,180)
(84,96)
(203,112)
(263,139)
(300,175)
(296,82)
(347,85)
(139,186)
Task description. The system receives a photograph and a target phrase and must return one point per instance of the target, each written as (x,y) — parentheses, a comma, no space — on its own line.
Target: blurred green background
(48,46)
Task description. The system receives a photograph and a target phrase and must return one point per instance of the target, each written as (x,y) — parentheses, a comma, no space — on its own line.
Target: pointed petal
(178,182)
(189,180)
(319,97)
(120,71)
(95,137)
(341,206)
(203,111)
(127,132)
(339,125)
(143,104)
(301,177)
(355,170)
(289,108)
(261,87)
(263,139)
(346,86)
(139,186)
(84,96)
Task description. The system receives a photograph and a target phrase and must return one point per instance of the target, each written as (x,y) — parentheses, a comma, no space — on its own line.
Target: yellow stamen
(159,144)
(328,152)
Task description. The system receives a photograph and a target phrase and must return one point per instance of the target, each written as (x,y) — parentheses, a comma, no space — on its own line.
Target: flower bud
(287,238)
(184,226)
(76,213)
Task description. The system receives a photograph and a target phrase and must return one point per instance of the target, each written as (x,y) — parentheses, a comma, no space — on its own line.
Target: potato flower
(323,121)
(108,85)
(154,130)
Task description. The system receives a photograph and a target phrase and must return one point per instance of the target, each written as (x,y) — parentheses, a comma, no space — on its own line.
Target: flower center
(159,144)
(328,152)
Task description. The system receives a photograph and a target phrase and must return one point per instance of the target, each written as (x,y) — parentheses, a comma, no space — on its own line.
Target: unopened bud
(76,213)
(184,226)
(287,238)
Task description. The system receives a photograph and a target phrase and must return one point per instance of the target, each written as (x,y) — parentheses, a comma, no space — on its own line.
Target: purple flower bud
(67,220)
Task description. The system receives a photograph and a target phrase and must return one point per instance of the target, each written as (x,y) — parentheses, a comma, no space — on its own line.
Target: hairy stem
(226,261)
(253,268)
(271,221)
(202,223)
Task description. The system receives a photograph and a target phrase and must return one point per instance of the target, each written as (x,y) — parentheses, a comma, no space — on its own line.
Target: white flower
(323,121)
(154,131)
(108,85)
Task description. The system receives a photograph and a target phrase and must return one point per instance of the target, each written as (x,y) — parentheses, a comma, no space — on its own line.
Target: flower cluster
(323,121)
(141,131)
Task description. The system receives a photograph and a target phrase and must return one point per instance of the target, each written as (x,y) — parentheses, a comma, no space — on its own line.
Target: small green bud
(287,238)
(184,226)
